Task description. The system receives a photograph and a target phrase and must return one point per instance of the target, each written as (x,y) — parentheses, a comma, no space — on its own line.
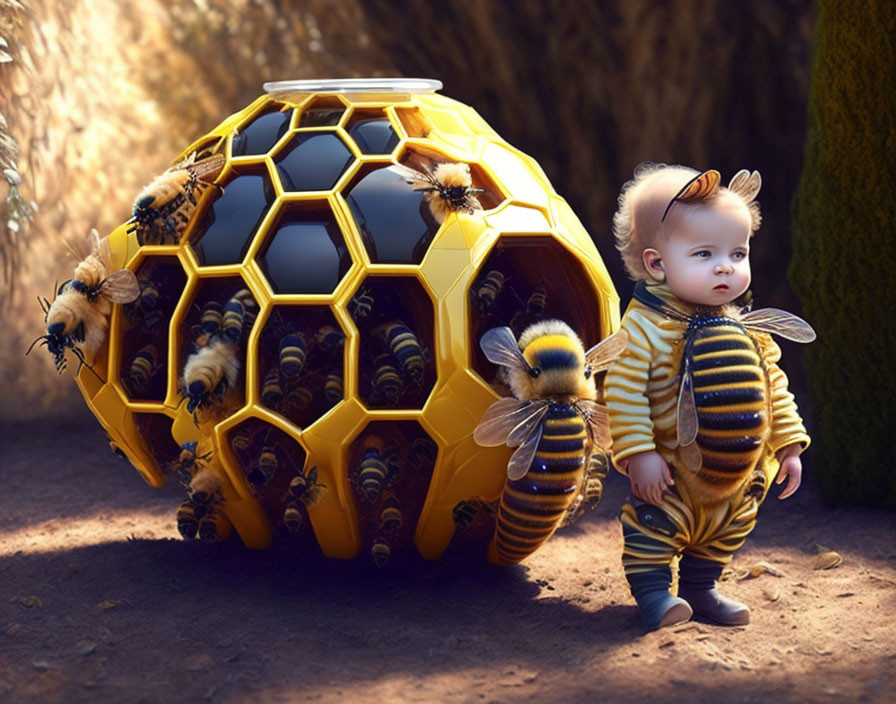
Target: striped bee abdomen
(532,507)
(731,398)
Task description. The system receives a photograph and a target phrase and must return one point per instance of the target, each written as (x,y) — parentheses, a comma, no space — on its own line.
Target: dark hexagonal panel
(300,363)
(269,459)
(144,350)
(372,132)
(390,468)
(522,281)
(313,161)
(393,219)
(228,224)
(306,252)
(261,134)
(395,318)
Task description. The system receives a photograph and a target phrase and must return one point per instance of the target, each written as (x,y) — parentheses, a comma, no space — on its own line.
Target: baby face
(705,259)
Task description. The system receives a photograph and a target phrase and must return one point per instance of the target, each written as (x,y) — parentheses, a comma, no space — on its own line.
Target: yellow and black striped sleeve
(786,425)
(625,391)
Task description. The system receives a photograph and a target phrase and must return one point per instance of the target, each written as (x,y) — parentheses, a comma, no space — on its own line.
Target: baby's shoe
(658,607)
(697,585)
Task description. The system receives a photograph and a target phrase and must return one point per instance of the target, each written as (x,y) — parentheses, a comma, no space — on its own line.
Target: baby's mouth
(720,287)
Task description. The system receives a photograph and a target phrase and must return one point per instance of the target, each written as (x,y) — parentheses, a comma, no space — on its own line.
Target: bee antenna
(42,337)
(83,363)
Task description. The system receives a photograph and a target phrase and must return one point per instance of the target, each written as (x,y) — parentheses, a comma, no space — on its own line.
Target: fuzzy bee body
(300,397)
(263,470)
(446,189)
(331,339)
(404,347)
(78,317)
(386,380)
(292,354)
(162,209)
(531,507)
(488,290)
(303,489)
(271,391)
(144,365)
(333,390)
(390,515)
(378,466)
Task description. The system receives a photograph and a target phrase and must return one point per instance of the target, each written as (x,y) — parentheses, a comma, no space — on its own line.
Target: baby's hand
(650,476)
(791,469)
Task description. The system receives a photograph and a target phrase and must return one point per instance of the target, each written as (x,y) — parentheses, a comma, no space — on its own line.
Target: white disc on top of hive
(405,86)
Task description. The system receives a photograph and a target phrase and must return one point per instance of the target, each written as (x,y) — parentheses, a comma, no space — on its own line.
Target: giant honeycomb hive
(311,215)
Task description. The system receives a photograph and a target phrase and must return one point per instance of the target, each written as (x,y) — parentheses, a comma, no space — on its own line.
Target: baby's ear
(653,263)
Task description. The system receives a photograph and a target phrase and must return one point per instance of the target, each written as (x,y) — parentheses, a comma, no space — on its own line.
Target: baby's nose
(724,268)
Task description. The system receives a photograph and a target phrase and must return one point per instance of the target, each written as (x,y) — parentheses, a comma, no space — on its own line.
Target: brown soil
(99,601)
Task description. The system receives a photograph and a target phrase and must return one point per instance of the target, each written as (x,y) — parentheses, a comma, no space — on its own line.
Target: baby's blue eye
(703,253)
(740,255)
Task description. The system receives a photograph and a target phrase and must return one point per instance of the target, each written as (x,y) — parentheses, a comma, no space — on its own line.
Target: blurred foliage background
(97,97)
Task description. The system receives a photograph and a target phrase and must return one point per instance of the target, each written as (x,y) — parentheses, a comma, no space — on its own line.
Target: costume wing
(687,409)
(605,352)
(779,322)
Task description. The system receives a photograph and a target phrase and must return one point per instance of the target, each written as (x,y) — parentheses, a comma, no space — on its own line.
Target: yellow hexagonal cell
(313,336)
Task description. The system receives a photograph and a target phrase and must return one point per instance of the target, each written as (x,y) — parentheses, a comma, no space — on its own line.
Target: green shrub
(844,242)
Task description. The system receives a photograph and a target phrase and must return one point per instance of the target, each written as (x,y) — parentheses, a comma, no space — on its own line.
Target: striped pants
(655,535)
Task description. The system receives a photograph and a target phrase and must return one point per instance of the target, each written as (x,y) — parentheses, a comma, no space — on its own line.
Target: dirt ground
(100,601)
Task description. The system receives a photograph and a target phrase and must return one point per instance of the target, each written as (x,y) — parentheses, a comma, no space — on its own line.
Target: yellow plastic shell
(526,210)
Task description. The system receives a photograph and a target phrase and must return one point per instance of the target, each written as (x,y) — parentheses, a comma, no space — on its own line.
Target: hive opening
(144,350)
(390,468)
(522,281)
(396,366)
(300,363)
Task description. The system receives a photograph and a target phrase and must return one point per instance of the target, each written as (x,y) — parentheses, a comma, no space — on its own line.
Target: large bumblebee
(554,421)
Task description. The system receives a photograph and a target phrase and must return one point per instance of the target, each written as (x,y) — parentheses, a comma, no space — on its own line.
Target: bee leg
(697,585)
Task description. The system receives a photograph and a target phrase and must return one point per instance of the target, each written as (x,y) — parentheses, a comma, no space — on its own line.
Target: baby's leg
(701,565)
(651,541)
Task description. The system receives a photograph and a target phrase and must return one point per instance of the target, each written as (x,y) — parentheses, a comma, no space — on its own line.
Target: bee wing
(500,347)
(522,459)
(687,410)
(605,352)
(207,169)
(121,286)
(503,417)
(597,421)
(420,180)
(93,243)
(311,477)
(779,322)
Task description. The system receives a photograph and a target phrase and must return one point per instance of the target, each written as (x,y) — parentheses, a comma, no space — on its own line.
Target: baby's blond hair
(639,221)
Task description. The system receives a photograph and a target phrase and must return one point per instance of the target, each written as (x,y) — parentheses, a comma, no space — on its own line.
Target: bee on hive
(163,209)
(78,317)
(448,188)
(555,423)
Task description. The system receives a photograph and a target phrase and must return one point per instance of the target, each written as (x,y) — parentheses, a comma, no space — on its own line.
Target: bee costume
(701,387)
